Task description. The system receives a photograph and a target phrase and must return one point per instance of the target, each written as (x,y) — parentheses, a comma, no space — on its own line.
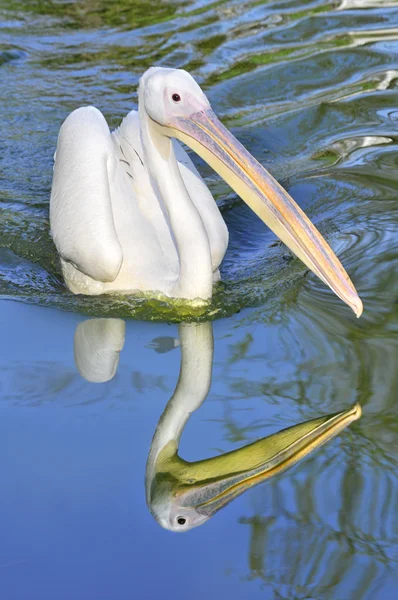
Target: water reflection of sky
(74,457)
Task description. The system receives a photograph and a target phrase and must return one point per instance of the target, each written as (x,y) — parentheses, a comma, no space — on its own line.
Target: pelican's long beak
(207,486)
(208,137)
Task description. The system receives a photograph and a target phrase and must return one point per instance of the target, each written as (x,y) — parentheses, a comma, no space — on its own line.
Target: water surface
(311,89)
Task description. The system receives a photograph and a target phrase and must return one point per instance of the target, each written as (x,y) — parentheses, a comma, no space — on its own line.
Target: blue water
(74,518)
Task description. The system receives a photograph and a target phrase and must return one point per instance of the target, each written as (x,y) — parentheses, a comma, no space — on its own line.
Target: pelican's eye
(176,97)
(181,520)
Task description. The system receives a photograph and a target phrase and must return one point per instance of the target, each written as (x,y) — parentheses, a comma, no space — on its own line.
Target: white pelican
(130,213)
(180,494)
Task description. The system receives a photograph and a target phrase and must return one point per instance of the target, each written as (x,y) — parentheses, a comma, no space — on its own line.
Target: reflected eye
(181,520)
(176,97)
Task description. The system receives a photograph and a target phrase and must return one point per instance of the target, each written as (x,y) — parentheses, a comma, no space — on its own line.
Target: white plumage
(108,219)
(130,213)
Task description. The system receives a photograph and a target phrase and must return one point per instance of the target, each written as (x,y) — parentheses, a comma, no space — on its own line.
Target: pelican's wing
(127,139)
(128,145)
(81,215)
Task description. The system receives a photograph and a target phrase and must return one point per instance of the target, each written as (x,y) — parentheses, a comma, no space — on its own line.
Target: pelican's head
(183,495)
(171,93)
(177,107)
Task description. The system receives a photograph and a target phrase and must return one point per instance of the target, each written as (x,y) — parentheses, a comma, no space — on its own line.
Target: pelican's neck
(191,390)
(192,243)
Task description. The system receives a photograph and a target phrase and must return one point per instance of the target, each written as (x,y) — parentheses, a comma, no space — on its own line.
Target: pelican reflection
(97,347)
(181,494)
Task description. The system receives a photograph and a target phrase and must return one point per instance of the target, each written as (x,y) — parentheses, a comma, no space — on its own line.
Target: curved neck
(195,274)
(191,390)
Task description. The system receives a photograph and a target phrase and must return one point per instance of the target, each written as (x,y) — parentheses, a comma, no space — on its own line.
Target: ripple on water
(10,53)
(309,89)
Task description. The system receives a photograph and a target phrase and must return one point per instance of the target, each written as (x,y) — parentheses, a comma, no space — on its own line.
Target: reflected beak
(208,485)
(208,137)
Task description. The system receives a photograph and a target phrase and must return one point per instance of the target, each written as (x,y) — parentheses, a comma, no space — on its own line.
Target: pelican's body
(130,213)
(119,219)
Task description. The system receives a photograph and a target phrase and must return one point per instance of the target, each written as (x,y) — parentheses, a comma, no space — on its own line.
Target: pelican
(180,494)
(129,212)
